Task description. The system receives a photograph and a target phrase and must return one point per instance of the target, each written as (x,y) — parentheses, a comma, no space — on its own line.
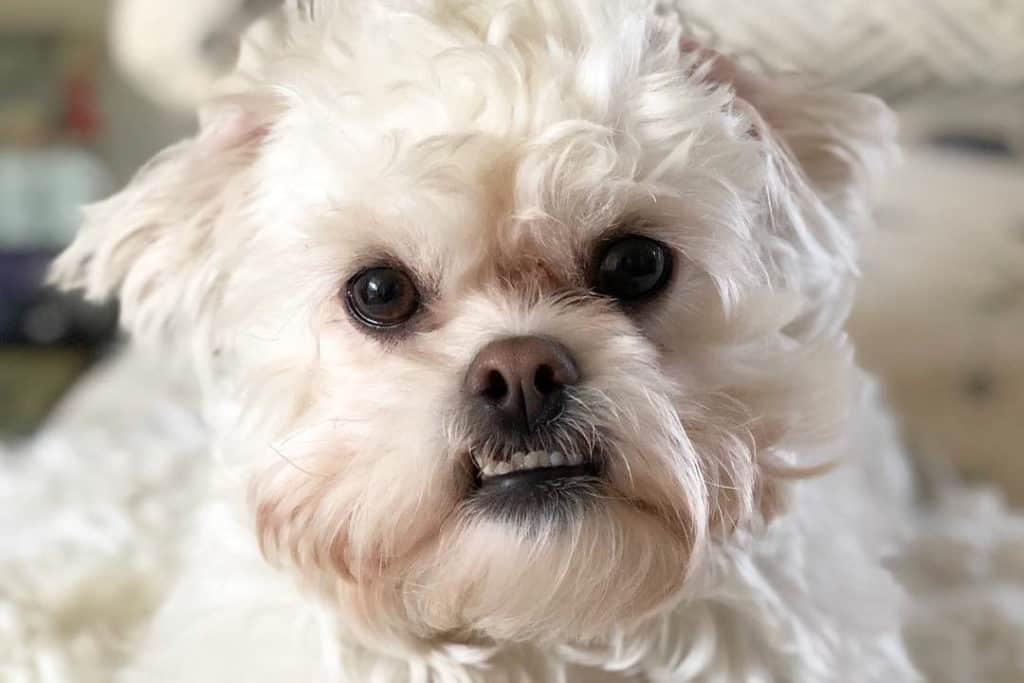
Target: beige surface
(891,47)
(941,311)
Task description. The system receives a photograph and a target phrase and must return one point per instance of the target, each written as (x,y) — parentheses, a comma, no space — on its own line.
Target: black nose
(523,378)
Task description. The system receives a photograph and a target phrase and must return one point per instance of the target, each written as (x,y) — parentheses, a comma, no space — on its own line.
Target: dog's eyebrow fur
(534,276)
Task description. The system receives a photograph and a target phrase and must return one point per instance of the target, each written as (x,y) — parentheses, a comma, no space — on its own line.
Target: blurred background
(71,130)
(941,310)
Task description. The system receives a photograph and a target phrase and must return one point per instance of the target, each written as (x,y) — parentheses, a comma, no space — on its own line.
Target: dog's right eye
(382,298)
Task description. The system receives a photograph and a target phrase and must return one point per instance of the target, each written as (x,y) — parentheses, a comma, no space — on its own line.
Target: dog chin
(544,546)
(558,562)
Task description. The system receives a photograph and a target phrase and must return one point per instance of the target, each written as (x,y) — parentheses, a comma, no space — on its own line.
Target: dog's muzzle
(518,389)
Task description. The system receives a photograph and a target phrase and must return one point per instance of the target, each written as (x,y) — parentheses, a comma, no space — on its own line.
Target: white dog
(521,326)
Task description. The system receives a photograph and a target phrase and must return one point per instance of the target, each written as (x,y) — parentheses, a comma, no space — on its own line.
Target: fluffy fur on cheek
(334,498)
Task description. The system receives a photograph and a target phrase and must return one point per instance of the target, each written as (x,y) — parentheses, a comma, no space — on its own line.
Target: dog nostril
(496,388)
(544,380)
(520,381)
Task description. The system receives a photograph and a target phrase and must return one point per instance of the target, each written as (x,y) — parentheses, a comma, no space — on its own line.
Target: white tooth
(518,461)
(488,470)
(531,460)
(574,458)
(542,458)
(502,468)
(556,459)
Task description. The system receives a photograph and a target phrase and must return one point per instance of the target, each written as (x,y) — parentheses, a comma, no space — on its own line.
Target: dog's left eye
(382,297)
(632,268)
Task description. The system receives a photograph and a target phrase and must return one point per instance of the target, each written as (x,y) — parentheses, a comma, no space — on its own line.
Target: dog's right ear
(161,245)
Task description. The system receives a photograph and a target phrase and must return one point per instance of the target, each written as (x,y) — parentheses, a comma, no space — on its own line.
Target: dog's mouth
(532,467)
(532,482)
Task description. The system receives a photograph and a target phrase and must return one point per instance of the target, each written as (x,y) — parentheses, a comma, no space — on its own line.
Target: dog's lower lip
(536,476)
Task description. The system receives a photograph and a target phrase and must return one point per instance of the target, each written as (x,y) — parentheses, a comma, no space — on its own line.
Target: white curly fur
(489,146)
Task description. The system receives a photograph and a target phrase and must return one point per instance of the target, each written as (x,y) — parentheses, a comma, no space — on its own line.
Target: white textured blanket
(91,511)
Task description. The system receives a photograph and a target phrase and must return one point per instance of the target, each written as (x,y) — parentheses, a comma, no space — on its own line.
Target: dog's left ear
(841,141)
(825,149)
(162,245)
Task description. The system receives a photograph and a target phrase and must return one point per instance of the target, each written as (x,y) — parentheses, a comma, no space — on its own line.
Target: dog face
(523,307)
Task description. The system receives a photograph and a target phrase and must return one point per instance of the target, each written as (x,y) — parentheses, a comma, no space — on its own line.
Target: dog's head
(524,305)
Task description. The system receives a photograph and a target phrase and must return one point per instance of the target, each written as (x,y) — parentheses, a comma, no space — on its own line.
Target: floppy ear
(825,149)
(157,245)
(841,141)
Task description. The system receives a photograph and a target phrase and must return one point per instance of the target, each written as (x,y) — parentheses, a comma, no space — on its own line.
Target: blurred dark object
(48,339)
(990,144)
(31,314)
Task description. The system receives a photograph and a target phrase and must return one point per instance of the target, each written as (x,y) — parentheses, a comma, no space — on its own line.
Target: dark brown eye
(632,268)
(382,297)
